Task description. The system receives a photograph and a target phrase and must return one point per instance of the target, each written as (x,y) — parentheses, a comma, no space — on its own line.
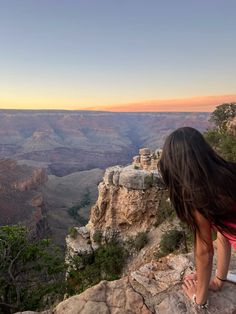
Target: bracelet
(220,278)
(199,306)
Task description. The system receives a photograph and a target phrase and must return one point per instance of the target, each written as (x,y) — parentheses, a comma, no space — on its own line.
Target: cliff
(153,288)
(20,200)
(128,201)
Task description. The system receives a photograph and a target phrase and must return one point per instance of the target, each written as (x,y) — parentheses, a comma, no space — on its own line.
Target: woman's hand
(190,287)
(216,284)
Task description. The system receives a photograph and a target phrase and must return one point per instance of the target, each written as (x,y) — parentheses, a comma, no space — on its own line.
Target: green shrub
(74,210)
(165,210)
(97,236)
(110,259)
(219,137)
(188,236)
(223,143)
(170,242)
(148,180)
(106,263)
(222,114)
(140,240)
(31,271)
(73,232)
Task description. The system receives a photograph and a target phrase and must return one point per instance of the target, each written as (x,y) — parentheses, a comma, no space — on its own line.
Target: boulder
(144,151)
(135,179)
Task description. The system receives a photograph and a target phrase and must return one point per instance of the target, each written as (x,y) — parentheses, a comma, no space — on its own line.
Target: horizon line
(186,104)
(105,111)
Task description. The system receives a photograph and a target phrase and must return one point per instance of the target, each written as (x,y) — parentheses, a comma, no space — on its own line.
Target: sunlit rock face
(128,201)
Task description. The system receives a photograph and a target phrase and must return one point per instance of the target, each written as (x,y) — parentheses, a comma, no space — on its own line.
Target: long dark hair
(198,179)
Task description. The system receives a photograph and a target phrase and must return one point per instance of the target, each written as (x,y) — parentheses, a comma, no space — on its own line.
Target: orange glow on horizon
(201,103)
(198,103)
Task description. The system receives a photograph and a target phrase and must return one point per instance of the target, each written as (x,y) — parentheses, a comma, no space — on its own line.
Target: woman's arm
(223,259)
(203,257)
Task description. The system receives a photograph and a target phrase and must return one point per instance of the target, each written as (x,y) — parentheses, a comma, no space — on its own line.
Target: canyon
(64,142)
(73,149)
(130,199)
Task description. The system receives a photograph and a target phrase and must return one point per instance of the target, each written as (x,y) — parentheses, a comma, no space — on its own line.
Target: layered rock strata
(128,201)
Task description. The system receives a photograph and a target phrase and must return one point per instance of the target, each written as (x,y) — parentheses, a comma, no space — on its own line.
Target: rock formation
(128,201)
(146,159)
(153,288)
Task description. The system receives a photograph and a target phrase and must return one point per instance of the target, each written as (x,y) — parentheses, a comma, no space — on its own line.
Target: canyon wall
(68,141)
(20,199)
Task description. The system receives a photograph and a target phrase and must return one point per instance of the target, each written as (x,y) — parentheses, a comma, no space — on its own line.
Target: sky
(126,55)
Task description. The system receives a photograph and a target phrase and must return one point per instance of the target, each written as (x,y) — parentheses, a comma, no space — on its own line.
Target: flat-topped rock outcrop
(128,202)
(131,178)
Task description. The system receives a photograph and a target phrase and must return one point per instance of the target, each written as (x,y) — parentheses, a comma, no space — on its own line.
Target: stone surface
(127,211)
(135,179)
(105,298)
(144,151)
(153,288)
(160,285)
(80,244)
(32,312)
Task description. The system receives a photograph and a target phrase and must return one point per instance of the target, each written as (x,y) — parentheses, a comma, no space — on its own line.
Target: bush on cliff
(219,137)
(31,271)
(73,232)
(165,210)
(170,242)
(222,114)
(97,236)
(105,263)
(74,211)
(223,143)
(136,243)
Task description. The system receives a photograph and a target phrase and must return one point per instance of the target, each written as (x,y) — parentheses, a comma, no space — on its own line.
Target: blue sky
(73,54)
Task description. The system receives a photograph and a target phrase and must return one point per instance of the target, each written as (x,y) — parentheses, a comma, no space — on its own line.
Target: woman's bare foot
(191,276)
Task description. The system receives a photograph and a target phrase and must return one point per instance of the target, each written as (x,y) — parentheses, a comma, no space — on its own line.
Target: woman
(202,188)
